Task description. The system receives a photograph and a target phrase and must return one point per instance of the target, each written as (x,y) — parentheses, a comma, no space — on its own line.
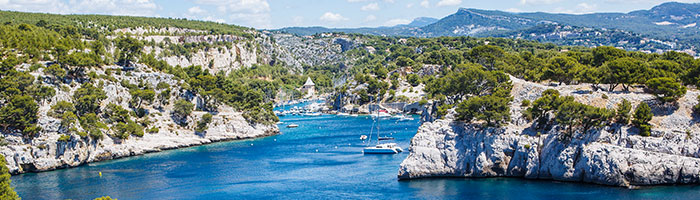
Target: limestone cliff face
(44,152)
(614,155)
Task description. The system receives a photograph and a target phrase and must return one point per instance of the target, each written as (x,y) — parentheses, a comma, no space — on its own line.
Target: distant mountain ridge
(668,26)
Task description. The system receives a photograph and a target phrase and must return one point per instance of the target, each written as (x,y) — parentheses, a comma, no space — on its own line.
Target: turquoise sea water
(321,159)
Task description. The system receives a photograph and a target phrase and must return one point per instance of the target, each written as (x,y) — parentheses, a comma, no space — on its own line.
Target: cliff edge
(612,155)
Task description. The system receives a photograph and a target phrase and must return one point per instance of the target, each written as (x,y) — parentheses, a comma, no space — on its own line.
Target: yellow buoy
(100,174)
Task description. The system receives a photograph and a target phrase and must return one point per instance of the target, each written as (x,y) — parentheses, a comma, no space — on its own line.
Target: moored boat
(387,148)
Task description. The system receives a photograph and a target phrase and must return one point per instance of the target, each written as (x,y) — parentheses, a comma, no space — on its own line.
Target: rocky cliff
(612,155)
(47,152)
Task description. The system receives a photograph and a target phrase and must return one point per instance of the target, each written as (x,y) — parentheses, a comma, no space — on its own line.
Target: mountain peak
(672,11)
(422,21)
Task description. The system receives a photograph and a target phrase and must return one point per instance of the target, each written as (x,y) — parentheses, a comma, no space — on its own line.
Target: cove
(321,159)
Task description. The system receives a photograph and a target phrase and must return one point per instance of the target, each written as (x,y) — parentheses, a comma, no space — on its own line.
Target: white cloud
(195,10)
(51,6)
(395,22)
(586,8)
(298,20)
(218,20)
(538,2)
(425,3)
(410,5)
(449,2)
(513,10)
(370,18)
(255,13)
(111,7)
(390,1)
(115,7)
(332,17)
(370,7)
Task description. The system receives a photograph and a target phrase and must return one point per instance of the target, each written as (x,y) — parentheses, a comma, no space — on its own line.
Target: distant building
(309,88)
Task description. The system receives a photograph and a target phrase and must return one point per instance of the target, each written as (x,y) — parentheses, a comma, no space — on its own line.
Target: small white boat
(343,114)
(380,115)
(313,114)
(354,115)
(363,137)
(292,126)
(388,148)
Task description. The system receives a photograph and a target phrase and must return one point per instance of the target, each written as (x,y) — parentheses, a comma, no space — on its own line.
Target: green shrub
(623,112)
(64,138)
(182,109)
(68,118)
(124,130)
(568,113)
(413,79)
(35,67)
(493,109)
(525,103)
(116,113)
(61,107)
(6,190)
(153,130)
(56,71)
(91,123)
(20,112)
(696,108)
(642,116)
(82,134)
(162,85)
(605,96)
(666,89)
(95,133)
(164,96)
(202,124)
(88,98)
(139,96)
(422,102)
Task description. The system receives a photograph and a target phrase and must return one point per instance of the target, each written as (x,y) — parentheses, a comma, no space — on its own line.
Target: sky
(269,14)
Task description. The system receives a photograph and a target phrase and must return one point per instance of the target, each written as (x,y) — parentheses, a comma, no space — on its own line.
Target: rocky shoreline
(613,155)
(46,153)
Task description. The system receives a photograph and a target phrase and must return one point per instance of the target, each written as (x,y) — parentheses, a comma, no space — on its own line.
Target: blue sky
(329,13)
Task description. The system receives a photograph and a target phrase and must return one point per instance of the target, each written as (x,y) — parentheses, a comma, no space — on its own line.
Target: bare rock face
(614,155)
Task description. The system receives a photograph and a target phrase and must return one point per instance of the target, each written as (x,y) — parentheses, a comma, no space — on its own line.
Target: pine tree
(6,191)
(642,116)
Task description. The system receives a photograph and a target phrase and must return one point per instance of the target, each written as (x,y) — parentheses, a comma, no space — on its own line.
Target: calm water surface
(321,159)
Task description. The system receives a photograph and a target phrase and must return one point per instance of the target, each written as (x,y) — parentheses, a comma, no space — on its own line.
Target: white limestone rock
(614,155)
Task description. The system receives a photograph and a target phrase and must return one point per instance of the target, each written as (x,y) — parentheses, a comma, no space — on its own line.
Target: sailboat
(385,148)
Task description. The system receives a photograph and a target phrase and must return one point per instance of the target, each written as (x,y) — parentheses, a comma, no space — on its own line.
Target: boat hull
(379,151)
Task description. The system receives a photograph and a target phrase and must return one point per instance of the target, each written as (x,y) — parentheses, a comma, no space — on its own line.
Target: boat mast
(377,108)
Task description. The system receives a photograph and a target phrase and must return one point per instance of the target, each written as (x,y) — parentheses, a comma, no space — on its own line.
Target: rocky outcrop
(46,152)
(613,155)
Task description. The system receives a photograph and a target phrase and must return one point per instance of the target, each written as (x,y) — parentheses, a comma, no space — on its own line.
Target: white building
(309,88)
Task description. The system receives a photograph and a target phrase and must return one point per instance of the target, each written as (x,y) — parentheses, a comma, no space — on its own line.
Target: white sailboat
(385,148)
